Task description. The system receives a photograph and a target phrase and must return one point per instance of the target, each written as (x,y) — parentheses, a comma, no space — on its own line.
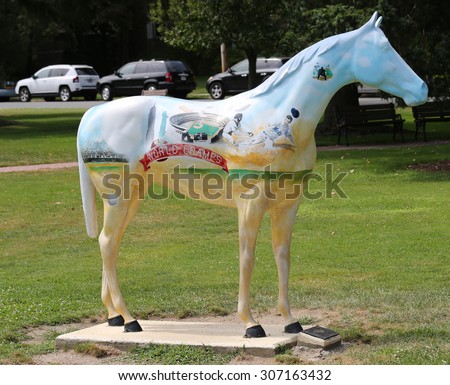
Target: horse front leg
(283,219)
(116,218)
(249,221)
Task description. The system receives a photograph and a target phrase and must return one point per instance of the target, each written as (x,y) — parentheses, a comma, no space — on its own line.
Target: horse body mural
(267,132)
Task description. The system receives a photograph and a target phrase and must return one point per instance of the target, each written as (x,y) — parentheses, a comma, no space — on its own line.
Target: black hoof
(255,332)
(293,328)
(116,321)
(133,327)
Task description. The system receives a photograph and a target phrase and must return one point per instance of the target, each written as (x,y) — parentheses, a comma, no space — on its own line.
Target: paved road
(58,104)
(43,104)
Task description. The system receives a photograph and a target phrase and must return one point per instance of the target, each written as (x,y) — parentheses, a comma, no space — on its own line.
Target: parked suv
(63,80)
(235,79)
(134,77)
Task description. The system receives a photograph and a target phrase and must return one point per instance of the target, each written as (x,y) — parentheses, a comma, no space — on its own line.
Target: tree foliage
(107,33)
(419,30)
(317,23)
(254,26)
(199,24)
(40,32)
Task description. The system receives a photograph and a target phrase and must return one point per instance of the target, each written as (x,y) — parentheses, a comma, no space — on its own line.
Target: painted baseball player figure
(233,133)
(273,132)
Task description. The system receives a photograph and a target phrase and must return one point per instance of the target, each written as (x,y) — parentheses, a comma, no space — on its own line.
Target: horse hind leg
(117,216)
(282,225)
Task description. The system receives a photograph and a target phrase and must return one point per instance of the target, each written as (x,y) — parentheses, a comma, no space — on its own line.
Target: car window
(157,66)
(127,69)
(141,68)
(273,63)
(45,73)
(262,64)
(242,66)
(54,72)
(85,71)
(176,66)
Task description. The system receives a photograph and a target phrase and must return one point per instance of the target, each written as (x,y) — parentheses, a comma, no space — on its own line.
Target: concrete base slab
(221,337)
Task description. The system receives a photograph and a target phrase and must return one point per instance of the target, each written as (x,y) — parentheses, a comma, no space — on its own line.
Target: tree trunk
(224,57)
(251,56)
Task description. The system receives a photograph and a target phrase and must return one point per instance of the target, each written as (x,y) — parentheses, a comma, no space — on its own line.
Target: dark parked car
(134,77)
(235,80)
(7,91)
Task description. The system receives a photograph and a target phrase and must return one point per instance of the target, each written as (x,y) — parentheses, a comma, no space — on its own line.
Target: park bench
(364,116)
(162,92)
(428,113)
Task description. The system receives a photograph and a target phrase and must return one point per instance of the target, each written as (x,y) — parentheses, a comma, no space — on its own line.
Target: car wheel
(65,94)
(216,91)
(150,87)
(24,94)
(106,93)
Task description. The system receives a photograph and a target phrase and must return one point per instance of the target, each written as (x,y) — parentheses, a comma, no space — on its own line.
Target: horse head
(377,64)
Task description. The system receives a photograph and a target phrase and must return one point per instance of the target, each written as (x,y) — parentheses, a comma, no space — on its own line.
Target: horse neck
(301,90)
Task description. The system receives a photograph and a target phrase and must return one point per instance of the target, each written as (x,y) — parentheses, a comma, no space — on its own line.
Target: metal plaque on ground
(319,337)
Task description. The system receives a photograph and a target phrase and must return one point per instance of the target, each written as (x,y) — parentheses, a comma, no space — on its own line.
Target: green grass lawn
(200,92)
(36,136)
(377,260)
(373,266)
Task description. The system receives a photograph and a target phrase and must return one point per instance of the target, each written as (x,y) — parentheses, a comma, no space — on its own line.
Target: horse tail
(88,198)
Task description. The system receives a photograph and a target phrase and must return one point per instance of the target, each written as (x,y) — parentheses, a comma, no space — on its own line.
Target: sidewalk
(39,167)
(57,166)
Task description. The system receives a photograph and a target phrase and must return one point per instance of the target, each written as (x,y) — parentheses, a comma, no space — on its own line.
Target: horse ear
(378,22)
(373,19)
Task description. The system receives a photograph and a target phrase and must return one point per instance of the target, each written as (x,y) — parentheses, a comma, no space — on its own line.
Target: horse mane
(295,64)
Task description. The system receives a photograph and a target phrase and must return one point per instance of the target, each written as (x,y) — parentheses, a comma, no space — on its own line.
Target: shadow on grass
(17,127)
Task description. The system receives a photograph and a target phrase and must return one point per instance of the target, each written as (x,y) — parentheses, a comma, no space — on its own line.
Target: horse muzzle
(418,97)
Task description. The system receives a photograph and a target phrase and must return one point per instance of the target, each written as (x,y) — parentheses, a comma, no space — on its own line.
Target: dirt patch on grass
(443,165)
(84,354)
(71,357)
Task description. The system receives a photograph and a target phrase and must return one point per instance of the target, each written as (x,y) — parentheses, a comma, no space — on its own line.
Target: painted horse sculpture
(255,147)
